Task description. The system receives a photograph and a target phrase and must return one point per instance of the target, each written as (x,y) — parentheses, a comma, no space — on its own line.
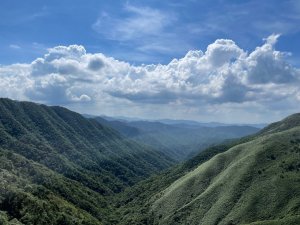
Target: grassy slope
(256,180)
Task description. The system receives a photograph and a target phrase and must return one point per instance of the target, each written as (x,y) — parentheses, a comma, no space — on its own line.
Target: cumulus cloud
(266,65)
(95,63)
(223,74)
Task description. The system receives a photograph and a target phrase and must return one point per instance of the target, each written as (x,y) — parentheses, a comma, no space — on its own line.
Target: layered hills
(181,140)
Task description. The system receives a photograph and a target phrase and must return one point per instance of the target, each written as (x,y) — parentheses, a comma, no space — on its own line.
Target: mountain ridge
(177,141)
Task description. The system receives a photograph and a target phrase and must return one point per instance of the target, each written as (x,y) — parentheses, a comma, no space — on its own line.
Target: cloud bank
(224,80)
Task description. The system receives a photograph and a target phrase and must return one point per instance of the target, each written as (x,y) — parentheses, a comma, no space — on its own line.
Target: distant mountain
(254,180)
(120,118)
(57,167)
(124,128)
(177,140)
(181,123)
(131,119)
(191,123)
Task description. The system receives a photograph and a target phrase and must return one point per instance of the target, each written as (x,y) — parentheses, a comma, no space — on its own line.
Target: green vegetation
(255,180)
(58,166)
(33,194)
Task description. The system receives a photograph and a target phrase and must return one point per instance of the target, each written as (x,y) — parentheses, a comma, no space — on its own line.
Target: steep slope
(33,194)
(178,141)
(72,148)
(255,180)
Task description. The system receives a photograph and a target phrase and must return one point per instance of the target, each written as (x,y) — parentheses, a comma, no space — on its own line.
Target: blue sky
(166,30)
(210,60)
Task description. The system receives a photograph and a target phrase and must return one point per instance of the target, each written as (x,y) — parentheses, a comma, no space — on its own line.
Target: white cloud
(14,46)
(223,76)
(266,65)
(222,51)
(143,29)
(140,21)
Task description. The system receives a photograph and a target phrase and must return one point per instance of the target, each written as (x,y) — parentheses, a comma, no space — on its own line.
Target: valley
(178,140)
(58,167)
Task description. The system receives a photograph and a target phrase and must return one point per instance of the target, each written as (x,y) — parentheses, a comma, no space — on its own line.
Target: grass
(258,180)
(254,179)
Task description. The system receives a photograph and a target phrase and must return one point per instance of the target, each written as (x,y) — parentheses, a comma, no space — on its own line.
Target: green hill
(52,157)
(287,123)
(255,180)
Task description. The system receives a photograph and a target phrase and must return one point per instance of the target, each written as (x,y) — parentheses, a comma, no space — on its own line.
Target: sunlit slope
(285,124)
(257,181)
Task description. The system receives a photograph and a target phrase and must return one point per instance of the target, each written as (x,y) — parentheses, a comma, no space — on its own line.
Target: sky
(230,61)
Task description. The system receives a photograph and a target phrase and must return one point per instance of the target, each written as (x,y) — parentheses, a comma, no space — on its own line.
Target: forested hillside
(51,155)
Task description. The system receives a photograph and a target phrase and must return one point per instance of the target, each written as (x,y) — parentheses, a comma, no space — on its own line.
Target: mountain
(123,127)
(60,167)
(191,123)
(254,180)
(287,123)
(178,140)
(178,122)
(57,167)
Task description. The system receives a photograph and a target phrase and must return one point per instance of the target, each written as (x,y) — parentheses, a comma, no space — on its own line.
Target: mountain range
(59,167)
(178,140)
